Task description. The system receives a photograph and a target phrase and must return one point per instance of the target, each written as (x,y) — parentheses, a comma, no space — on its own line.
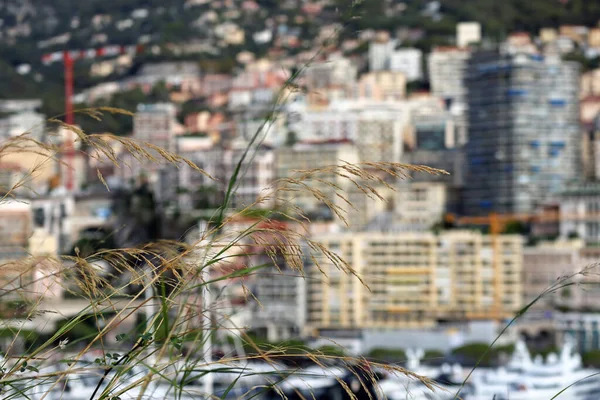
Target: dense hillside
(29,28)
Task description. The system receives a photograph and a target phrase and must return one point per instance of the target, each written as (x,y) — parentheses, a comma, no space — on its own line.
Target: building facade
(524,141)
(412,280)
(543,265)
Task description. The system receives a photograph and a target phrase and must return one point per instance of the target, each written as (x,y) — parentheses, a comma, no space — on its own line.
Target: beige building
(358,206)
(550,262)
(410,280)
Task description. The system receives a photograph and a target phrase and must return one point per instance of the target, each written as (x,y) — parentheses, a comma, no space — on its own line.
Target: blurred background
(504,96)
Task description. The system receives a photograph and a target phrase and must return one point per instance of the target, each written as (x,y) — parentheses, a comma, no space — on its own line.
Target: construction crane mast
(68,58)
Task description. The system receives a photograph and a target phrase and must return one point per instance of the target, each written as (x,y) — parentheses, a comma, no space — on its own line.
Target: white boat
(398,386)
(527,379)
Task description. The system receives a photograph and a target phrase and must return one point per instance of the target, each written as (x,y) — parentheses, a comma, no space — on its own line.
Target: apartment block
(412,280)
(524,136)
(16,226)
(412,207)
(548,263)
(254,187)
(543,265)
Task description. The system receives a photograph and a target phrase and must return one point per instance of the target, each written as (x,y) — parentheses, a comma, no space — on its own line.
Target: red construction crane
(68,58)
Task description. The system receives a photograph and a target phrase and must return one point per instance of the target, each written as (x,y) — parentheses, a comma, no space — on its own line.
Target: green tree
(332,351)
(160,93)
(387,355)
(515,228)
(206,197)
(591,359)
(471,353)
(434,356)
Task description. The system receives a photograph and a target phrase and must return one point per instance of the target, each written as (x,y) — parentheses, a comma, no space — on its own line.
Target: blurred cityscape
(444,260)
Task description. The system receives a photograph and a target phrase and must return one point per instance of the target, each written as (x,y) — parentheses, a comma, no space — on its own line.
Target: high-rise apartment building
(524,140)
(414,280)
(447,70)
